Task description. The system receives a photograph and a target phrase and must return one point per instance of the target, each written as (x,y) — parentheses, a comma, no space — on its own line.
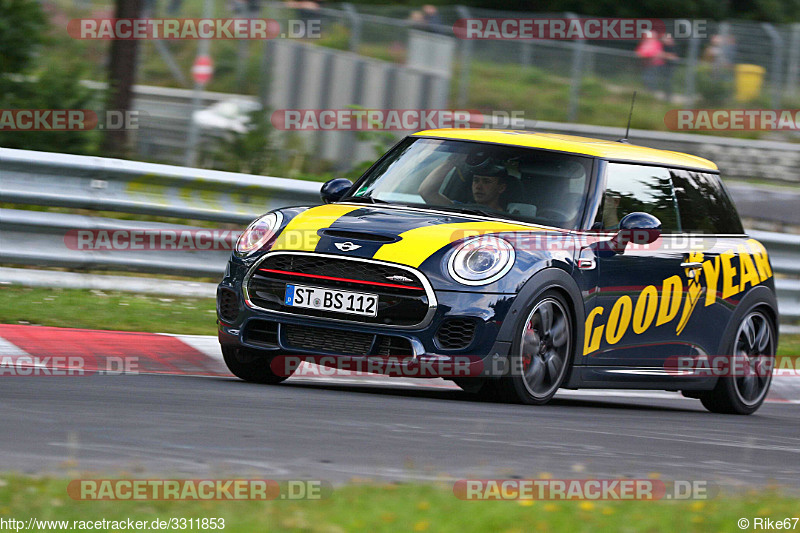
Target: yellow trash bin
(749,79)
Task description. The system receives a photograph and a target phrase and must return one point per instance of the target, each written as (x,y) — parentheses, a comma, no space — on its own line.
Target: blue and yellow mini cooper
(514,263)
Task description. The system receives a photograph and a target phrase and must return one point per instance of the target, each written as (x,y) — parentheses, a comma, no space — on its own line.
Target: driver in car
(489,182)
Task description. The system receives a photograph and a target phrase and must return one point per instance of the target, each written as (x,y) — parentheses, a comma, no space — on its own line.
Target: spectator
(431,16)
(720,53)
(417,20)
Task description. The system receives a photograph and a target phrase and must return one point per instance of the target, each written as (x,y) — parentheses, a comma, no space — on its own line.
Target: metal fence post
(525,53)
(355,26)
(578,48)
(777,64)
(203,48)
(691,69)
(465,63)
(793,69)
(243,51)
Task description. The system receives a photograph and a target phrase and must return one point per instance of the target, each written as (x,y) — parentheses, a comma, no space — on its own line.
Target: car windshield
(497,180)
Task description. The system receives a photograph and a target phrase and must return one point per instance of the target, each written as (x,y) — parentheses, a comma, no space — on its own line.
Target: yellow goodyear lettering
(645,310)
(747,270)
(671,294)
(728,273)
(619,319)
(753,268)
(711,275)
(761,258)
(591,338)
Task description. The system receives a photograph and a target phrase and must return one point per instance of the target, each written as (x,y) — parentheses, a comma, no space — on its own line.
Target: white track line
(9,349)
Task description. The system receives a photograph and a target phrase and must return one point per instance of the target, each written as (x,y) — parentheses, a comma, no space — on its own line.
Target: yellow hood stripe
(419,244)
(301,232)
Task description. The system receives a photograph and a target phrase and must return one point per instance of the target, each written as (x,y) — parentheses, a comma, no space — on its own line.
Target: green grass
(406,507)
(94,309)
(789,345)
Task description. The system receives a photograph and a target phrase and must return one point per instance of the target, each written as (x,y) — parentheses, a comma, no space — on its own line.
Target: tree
(121,77)
(31,80)
(22,26)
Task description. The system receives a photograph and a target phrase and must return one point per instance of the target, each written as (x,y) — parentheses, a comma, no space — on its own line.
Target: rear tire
(251,365)
(754,345)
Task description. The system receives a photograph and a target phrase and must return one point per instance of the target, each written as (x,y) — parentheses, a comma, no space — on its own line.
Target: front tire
(250,365)
(541,352)
(752,350)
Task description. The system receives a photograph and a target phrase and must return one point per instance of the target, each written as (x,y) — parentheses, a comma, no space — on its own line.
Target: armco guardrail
(35,238)
(784,250)
(49,179)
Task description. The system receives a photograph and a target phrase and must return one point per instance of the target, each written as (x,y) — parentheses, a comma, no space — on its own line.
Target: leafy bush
(715,88)
(47,83)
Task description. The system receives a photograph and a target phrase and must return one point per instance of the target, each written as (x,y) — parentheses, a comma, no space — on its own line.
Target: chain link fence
(704,70)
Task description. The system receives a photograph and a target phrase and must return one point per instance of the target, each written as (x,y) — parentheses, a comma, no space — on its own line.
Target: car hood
(395,234)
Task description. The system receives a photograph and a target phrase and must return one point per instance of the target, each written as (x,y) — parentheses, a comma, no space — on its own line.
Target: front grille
(340,268)
(327,340)
(227,305)
(402,298)
(455,333)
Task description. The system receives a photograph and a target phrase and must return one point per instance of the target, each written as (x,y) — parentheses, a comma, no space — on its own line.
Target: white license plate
(355,303)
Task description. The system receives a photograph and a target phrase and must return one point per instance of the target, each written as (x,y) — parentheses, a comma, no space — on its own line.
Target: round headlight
(258,233)
(481,260)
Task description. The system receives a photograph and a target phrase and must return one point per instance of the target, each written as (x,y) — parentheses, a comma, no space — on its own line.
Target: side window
(631,188)
(703,204)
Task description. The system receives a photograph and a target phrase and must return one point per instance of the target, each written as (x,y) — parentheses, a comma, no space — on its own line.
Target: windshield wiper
(365,199)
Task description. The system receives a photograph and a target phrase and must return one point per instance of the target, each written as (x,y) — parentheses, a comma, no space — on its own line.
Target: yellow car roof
(573,144)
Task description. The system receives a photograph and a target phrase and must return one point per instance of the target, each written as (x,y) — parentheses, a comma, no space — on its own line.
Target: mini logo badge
(399,278)
(347,246)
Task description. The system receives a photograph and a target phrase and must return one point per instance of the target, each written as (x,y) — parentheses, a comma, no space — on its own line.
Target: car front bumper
(364,345)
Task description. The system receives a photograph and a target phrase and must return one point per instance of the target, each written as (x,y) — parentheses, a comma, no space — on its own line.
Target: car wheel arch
(757,297)
(548,279)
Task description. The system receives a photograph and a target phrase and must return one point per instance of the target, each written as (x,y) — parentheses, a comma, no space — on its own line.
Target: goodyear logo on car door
(654,306)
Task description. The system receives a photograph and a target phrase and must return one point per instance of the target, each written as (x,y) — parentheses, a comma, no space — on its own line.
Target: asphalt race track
(200,426)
